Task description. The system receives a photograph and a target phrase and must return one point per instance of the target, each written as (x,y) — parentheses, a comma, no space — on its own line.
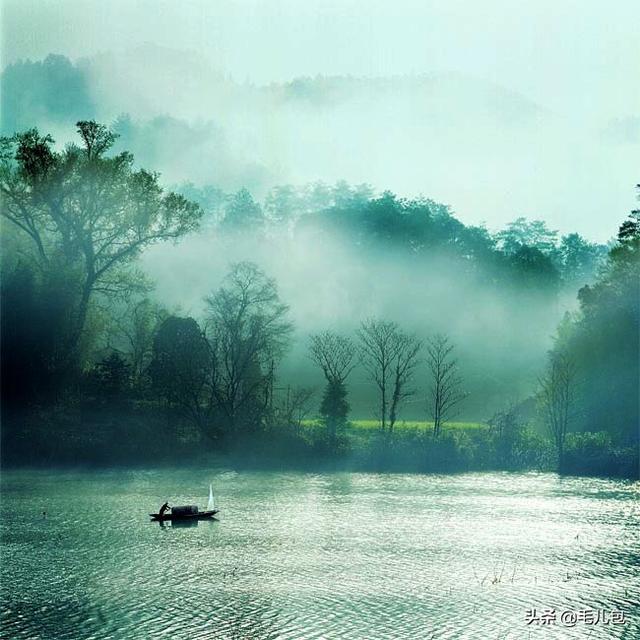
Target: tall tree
(180,369)
(557,395)
(249,332)
(445,393)
(86,213)
(134,326)
(406,360)
(578,259)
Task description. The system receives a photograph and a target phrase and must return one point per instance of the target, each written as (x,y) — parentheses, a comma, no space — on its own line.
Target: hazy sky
(577,60)
(572,55)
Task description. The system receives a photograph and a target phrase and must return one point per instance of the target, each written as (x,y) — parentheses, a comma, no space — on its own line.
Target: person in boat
(164,508)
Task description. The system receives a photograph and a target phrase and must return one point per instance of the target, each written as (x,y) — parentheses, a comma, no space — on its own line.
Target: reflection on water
(315,556)
(184,524)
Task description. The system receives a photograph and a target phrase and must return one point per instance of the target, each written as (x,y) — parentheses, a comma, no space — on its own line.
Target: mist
(501,334)
(497,138)
(515,122)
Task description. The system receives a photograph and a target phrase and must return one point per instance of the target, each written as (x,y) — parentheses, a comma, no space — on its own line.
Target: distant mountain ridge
(490,152)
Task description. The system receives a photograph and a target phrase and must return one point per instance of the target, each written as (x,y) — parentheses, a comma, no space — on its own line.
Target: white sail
(210,503)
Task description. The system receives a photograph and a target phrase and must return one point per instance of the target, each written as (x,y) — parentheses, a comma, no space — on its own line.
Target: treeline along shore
(97,369)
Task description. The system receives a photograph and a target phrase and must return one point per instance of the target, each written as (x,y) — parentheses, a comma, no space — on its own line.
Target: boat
(187,512)
(170,517)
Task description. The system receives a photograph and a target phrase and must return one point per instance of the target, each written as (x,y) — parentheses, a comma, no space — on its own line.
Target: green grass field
(366,428)
(415,424)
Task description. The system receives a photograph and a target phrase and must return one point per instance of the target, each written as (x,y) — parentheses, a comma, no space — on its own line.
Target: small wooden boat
(169,517)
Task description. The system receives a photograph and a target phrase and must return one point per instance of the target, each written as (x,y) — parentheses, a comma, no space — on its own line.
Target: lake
(304,555)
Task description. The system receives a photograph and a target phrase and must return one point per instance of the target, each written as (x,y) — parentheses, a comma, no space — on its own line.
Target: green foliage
(243,213)
(86,214)
(334,408)
(596,454)
(77,220)
(180,367)
(524,233)
(53,90)
(604,343)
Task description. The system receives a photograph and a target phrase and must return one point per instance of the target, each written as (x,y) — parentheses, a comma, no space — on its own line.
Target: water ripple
(315,556)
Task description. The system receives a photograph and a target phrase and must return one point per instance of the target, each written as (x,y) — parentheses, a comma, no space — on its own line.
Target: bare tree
(295,406)
(445,392)
(335,355)
(390,357)
(408,349)
(248,331)
(557,396)
(134,326)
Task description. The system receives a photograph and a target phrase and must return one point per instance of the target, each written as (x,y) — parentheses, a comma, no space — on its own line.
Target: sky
(572,55)
(578,59)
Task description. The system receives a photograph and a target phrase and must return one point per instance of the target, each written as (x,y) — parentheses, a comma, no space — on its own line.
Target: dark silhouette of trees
(133,327)
(334,409)
(294,407)
(180,369)
(86,214)
(603,341)
(335,355)
(445,392)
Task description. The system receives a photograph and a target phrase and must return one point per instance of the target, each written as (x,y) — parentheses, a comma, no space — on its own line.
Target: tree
(135,326)
(578,259)
(249,332)
(390,357)
(507,428)
(295,406)
(86,213)
(334,409)
(180,369)
(557,396)
(603,341)
(283,204)
(445,393)
(243,213)
(335,355)
(533,270)
(524,233)
(403,369)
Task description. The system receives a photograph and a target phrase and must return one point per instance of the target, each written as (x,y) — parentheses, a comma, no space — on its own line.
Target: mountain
(491,153)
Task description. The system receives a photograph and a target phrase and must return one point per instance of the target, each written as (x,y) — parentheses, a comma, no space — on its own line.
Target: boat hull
(170,517)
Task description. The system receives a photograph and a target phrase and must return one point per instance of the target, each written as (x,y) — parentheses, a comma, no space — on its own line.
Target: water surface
(295,555)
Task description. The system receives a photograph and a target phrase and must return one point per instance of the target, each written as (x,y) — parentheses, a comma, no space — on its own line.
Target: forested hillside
(391,309)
